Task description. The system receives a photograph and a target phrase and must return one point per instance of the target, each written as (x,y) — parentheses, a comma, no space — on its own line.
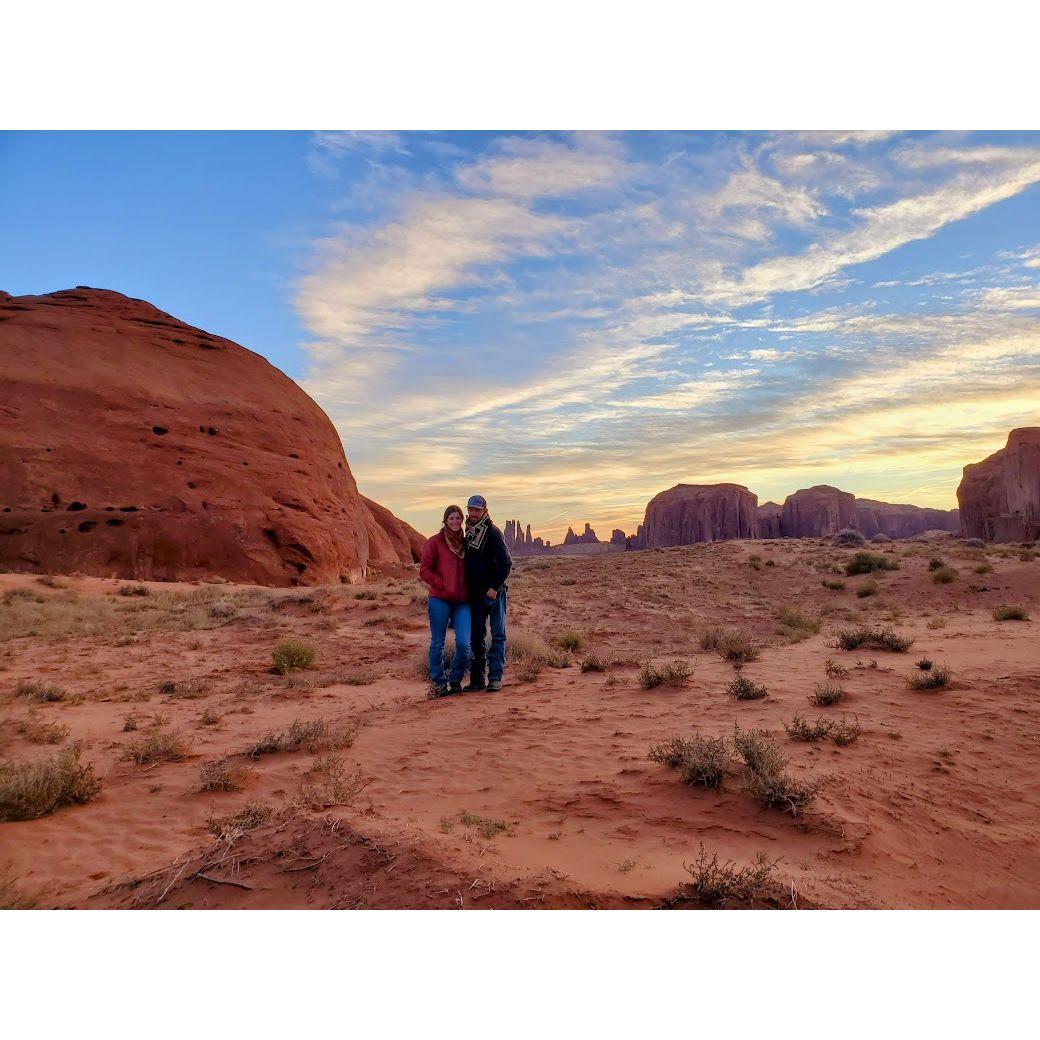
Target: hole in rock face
(128,509)
(87,525)
(293,455)
(191,484)
(114,522)
(160,430)
(75,507)
(55,499)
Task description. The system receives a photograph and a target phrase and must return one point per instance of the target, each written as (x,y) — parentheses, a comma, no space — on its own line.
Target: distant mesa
(690,513)
(135,446)
(999,497)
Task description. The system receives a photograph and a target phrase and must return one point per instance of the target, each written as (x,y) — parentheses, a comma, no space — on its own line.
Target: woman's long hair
(453,538)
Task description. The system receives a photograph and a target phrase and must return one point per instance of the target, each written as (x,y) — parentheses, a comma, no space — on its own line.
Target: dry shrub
(717,884)
(189,689)
(330,784)
(1011,613)
(675,674)
(849,536)
(231,827)
(570,641)
(133,590)
(944,576)
(826,694)
(743,689)
(933,679)
(527,654)
(32,789)
(844,733)
(316,735)
(34,691)
(422,662)
(701,761)
(733,645)
(766,779)
(835,670)
(868,562)
(360,678)
(209,717)
(292,654)
(801,729)
(834,586)
(795,625)
(37,731)
(878,638)
(487,826)
(130,723)
(867,588)
(158,747)
(594,663)
(222,775)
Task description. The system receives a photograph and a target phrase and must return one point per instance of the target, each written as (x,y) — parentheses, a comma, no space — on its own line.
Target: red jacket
(442,570)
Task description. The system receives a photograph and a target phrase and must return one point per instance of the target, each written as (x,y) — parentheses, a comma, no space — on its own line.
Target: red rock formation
(1000,496)
(570,538)
(617,537)
(900,520)
(768,516)
(817,512)
(690,513)
(390,539)
(133,445)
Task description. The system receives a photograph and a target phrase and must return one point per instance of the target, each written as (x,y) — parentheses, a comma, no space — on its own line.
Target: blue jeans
(442,613)
(489,611)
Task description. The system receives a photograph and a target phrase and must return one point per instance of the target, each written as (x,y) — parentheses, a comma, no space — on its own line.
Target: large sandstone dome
(133,445)
(690,513)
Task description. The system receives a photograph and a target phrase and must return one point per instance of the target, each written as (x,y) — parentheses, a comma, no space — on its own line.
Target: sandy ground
(937,804)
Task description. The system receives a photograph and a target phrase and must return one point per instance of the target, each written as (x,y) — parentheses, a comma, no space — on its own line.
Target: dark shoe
(456,687)
(438,691)
(494,686)
(474,687)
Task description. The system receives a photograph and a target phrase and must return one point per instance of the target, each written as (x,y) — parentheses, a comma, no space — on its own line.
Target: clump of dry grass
(835,670)
(944,576)
(570,641)
(209,717)
(363,677)
(292,654)
(741,688)
(171,746)
(38,731)
(844,733)
(487,826)
(933,679)
(130,723)
(794,625)
(732,644)
(1011,613)
(826,694)
(835,585)
(675,674)
(878,638)
(188,689)
(594,663)
(222,775)
(32,789)
(867,588)
(316,735)
(718,884)
(36,691)
(231,827)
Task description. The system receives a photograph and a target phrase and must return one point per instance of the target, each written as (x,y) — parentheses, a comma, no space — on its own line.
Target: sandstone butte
(135,446)
(690,513)
(999,497)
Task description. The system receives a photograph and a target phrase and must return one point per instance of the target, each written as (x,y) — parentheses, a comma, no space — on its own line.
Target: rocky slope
(133,445)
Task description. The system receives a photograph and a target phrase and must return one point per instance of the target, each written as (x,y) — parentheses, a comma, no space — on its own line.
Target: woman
(442,567)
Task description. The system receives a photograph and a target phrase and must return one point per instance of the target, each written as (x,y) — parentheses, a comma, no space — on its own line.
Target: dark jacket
(488,562)
(442,570)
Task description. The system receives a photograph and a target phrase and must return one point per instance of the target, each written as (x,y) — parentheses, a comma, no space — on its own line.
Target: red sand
(936,805)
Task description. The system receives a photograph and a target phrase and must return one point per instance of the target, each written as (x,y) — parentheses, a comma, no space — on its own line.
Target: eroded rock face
(391,540)
(899,520)
(817,512)
(689,513)
(133,445)
(768,515)
(1000,496)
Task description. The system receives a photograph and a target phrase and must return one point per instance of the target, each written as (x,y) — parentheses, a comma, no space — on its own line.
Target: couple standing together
(466,574)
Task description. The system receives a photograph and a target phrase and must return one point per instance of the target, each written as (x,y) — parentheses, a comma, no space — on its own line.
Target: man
(487,567)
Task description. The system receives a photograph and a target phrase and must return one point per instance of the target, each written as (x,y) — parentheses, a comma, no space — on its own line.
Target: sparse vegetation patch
(32,789)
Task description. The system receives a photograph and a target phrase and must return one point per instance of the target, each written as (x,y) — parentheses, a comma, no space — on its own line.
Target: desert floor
(542,795)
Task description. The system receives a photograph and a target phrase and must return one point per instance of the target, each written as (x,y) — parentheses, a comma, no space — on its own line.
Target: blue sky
(573,322)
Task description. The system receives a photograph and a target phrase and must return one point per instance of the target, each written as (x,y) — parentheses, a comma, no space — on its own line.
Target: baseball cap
(477,502)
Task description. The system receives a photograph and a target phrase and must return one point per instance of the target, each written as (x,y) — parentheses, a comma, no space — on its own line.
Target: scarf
(454,540)
(476,533)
